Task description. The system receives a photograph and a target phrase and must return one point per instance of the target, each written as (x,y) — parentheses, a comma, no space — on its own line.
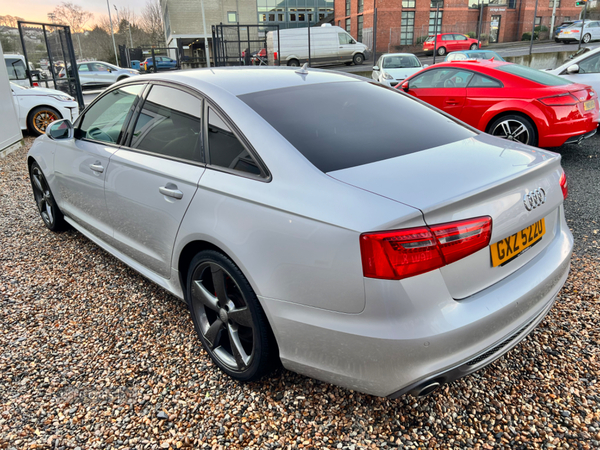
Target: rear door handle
(97,167)
(170,190)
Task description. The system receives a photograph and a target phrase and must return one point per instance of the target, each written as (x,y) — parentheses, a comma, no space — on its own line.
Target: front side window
(224,148)
(345,38)
(441,78)
(460,37)
(169,124)
(407,28)
(16,69)
(104,120)
(590,65)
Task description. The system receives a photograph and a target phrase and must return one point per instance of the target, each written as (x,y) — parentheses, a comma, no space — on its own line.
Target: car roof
(474,63)
(398,54)
(246,80)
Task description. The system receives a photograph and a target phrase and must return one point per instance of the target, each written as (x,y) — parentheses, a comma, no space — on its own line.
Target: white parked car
(100,74)
(39,107)
(591,32)
(392,68)
(584,69)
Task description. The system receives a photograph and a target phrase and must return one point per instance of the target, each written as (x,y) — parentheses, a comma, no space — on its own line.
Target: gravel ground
(95,356)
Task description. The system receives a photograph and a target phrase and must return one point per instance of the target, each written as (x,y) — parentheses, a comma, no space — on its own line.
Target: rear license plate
(590,104)
(509,248)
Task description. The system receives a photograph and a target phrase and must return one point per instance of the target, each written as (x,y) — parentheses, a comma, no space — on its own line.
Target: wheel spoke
(505,129)
(213,334)
(38,183)
(241,358)
(200,293)
(241,316)
(49,212)
(218,278)
(519,131)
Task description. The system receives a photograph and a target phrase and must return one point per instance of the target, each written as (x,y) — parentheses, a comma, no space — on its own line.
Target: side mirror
(425,65)
(60,130)
(405,86)
(376,68)
(573,68)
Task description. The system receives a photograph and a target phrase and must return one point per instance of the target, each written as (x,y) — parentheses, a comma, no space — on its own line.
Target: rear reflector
(560,100)
(399,254)
(564,185)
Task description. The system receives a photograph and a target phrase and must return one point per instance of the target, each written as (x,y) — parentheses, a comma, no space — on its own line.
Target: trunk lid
(481,176)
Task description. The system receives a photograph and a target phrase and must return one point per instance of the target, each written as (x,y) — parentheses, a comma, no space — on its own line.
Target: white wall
(10,132)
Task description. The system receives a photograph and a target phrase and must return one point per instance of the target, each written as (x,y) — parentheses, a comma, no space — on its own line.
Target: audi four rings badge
(535,198)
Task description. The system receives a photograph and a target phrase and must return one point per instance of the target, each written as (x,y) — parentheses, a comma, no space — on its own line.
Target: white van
(328,45)
(17,70)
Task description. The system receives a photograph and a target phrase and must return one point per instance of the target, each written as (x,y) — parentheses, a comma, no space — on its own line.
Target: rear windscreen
(348,124)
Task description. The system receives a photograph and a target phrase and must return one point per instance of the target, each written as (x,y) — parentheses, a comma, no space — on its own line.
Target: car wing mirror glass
(60,130)
(573,68)
(376,68)
(425,65)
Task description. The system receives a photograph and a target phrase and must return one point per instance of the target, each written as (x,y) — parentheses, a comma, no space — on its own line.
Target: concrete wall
(541,60)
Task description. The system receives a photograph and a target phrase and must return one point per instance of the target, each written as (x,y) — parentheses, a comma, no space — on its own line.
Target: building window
(292,15)
(231,16)
(347,7)
(407,30)
(360,6)
(408,3)
(512,4)
(434,3)
(432,27)
(538,21)
(359,34)
(348,25)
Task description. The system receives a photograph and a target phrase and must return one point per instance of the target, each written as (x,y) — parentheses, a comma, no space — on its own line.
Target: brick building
(402,25)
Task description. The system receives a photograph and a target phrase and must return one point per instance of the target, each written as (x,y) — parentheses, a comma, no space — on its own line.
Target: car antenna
(303,70)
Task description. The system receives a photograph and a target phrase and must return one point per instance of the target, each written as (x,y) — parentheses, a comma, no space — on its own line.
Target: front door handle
(170,190)
(97,167)
(452,101)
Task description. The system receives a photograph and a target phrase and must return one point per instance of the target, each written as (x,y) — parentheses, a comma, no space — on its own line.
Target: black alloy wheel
(228,318)
(49,211)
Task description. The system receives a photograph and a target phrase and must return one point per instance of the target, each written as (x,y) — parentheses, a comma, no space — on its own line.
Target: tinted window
(340,125)
(224,148)
(460,37)
(534,75)
(16,69)
(169,124)
(441,78)
(83,68)
(104,120)
(590,65)
(481,81)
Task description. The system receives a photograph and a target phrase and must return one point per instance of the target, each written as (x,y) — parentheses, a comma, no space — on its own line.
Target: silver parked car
(317,219)
(100,74)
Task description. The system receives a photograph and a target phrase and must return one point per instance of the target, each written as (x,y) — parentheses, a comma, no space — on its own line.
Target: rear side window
(169,124)
(448,37)
(479,81)
(348,124)
(225,149)
(537,76)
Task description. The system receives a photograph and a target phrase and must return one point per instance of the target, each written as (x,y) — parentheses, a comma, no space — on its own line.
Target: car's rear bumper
(412,331)
(565,133)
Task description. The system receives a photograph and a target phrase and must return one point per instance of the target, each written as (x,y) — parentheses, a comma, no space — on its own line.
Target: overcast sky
(37,10)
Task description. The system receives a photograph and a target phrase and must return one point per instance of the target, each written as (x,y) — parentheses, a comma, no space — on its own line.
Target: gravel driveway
(95,356)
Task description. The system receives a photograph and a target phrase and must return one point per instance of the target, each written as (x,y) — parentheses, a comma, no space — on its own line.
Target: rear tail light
(560,100)
(564,185)
(399,254)
(275,55)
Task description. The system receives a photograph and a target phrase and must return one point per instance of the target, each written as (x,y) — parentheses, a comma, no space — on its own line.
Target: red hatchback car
(450,42)
(509,100)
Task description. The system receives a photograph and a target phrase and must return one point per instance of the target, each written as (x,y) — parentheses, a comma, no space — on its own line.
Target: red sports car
(449,42)
(509,100)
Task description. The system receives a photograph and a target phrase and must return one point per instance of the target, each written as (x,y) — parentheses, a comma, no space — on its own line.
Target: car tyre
(473,47)
(293,63)
(587,38)
(441,51)
(49,210)
(39,118)
(228,318)
(358,59)
(514,127)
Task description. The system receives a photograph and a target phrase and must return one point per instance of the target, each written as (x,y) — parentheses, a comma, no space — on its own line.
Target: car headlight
(63,98)
(133,72)
(387,76)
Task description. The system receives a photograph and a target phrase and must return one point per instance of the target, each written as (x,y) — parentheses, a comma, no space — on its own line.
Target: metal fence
(237,45)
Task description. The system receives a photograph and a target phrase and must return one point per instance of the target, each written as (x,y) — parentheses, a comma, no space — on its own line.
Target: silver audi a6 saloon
(315,219)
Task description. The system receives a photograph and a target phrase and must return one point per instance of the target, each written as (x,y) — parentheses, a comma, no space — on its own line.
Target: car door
(595,30)
(347,45)
(447,42)
(153,177)
(482,93)
(86,76)
(444,88)
(81,164)
(589,72)
(103,74)
(461,42)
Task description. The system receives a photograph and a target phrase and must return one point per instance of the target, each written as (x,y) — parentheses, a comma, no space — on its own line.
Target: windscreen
(537,76)
(400,62)
(348,124)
